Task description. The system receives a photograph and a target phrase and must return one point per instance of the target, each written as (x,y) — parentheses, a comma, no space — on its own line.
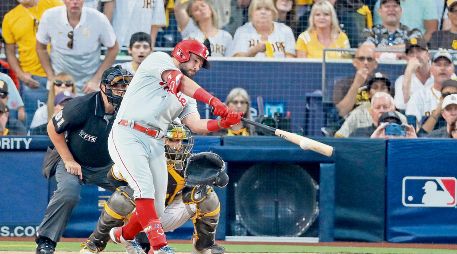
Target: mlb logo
(420,191)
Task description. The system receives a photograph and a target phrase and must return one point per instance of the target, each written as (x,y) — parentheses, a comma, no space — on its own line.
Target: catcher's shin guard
(206,220)
(116,210)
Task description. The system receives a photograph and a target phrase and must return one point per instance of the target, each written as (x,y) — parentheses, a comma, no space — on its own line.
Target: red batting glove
(219,108)
(232,118)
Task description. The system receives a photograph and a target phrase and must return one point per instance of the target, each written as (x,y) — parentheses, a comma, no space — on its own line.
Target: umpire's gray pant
(67,196)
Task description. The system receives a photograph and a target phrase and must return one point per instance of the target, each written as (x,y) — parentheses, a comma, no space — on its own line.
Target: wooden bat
(303,142)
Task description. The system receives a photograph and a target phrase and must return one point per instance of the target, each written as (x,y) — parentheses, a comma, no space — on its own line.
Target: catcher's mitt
(205,168)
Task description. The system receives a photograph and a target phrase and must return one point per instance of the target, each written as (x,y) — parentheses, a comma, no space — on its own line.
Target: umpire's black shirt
(87,127)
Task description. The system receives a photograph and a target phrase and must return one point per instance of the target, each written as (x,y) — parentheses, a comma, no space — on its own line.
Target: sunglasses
(67,83)
(70,43)
(365,58)
(239,102)
(3,95)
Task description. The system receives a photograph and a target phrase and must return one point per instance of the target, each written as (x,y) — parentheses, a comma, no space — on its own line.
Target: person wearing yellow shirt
(323,32)
(19,29)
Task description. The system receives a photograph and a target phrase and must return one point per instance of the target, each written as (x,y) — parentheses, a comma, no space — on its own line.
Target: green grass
(75,246)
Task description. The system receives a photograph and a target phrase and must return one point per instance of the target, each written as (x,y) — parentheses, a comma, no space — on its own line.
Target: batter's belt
(150,131)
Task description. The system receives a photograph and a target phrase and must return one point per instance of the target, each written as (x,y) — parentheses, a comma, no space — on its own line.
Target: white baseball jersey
(131,16)
(423,102)
(218,43)
(282,39)
(147,101)
(128,66)
(83,60)
(416,85)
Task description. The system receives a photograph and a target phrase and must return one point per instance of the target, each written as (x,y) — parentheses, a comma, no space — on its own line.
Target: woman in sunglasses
(238,100)
(63,82)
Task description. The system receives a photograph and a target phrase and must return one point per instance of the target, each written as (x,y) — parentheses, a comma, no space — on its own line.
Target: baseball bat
(303,142)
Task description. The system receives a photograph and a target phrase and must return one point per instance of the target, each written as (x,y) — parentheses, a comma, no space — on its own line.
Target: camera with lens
(394,126)
(393,129)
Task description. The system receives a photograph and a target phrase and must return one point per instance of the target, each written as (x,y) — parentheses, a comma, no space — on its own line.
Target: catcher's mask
(178,154)
(115,80)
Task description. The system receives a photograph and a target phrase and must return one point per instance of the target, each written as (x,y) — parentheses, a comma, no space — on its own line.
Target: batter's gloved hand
(219,108)
(232,118)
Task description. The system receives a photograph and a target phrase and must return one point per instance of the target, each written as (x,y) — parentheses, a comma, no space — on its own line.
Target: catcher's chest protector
(175,183)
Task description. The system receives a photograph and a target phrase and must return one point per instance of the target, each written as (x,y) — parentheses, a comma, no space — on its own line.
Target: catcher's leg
(205,220)
(116,210)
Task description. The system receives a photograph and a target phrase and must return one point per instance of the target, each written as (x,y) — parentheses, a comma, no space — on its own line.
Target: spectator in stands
(323,32)
(263,36)
(10,96)
(447,39)
(425,104)
(76,35)
(286,13)
(197,19)
(9,126)
(347,92)
(417,73)
(139,48)
(59,101)
(354,17)
(62,83)
(380,102)
(361,116)
(105,6)
(19,28)
(387,118)
(421,15)
(303,12)
(449,114)
(239,15)
(238,100)
(131,16)
(391,33)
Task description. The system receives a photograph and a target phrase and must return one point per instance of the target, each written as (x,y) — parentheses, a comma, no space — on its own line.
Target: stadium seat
(32,101)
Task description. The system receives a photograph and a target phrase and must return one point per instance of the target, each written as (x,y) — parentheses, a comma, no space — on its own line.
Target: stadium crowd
(53,52)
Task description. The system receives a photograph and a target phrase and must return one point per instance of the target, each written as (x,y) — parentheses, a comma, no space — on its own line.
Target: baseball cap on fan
(389,117)
(449,100)
(418,42)
(451,3)
(63,97)
(442,53)
(397,1)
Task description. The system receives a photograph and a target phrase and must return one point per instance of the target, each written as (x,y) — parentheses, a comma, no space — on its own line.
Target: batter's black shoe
(45,245)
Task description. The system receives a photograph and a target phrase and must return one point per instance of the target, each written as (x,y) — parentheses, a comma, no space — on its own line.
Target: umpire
(80,134)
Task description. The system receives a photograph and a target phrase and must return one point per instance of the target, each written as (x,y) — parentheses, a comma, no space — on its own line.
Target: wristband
(213,125)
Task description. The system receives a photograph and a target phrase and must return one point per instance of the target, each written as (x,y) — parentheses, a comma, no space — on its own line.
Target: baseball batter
(183,202)
(161,91)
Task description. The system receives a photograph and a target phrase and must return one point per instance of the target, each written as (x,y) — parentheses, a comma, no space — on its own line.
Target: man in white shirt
(131,16)
(417,74)
(76,34)
(423,103)
(139,48)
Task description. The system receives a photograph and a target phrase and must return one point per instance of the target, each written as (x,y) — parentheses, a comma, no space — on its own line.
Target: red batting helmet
(183,49)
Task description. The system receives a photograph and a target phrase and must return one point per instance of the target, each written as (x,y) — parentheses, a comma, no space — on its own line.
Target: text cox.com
(18,231)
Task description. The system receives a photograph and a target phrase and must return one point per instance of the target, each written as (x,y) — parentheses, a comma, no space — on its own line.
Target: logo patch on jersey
(178,95)
(87,136)
(59,119)
(419,191)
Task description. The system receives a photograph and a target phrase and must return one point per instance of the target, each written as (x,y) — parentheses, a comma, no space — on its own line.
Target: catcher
(190,194)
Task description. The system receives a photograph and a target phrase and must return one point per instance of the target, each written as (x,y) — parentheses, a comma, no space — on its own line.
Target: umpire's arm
(58,139)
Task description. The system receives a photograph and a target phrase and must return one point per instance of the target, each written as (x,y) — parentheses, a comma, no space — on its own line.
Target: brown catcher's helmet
(178,155)
(183,49)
